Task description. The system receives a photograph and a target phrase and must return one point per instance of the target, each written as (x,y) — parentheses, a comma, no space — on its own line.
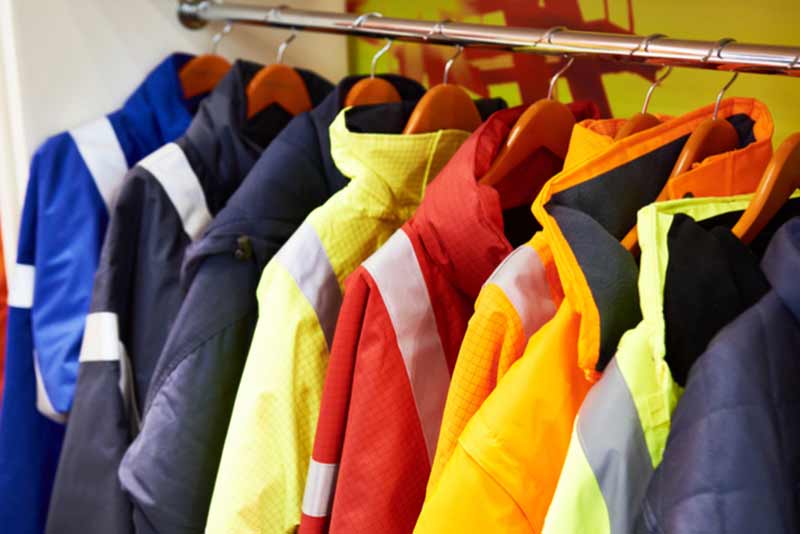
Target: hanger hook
(361,19)
(548,35)
(449,64)
(284,45)
(219,35)
(645,43)
(437,28)
(653,86)
(557,75)
(378,55)
(722,93)
(717,50)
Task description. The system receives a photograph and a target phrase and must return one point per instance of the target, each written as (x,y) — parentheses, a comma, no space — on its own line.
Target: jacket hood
(587,209)
(223,144)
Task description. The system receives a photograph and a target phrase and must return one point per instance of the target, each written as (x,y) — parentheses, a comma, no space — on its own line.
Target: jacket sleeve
(494,340)
(72,221)
(513,304)
(261,478)
(29,442)
(87,495)
(329,440)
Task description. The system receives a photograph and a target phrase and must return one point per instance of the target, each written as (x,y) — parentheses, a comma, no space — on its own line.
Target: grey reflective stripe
(43,403)
(170,167)
(402,286)
(522,278)
(101,343)
(612,439)
(308,264)
(318,495)
(100,149)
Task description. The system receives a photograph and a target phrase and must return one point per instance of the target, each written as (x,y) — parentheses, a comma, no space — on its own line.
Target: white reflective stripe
(20,288)
(101,343)
(398,276)
(318,495)
(170,167)
(100,149)
(522,278)
(305,258)
(101,338)
(43,403)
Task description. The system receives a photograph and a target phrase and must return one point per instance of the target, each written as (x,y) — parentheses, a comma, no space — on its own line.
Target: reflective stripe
(308,264)
(43,403)
(613,441)
(318,495)
(398,276)
(20,290)
(522,278)
(170,167)
(100,149)
(101,343)
(101,338)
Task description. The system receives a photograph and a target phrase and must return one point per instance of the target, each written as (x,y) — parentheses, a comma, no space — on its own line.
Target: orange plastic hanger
(278,84)
(373,90)
(712,136)
(444,107)
(547,123)
(781,179)
(202,73)
(642,120)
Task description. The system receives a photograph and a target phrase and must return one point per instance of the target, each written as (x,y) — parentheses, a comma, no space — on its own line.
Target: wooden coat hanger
(445,106)
(278,84)
(202,73)
(781,178)
(372,90)
(712,136)
(545,124)
(643,120)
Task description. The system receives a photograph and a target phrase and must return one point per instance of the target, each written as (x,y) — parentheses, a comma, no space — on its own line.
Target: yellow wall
(762,21)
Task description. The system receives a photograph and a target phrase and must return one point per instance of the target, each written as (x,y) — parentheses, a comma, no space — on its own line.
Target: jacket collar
(245,215)
(688,250)
(156,111)
(461,221)
(222,144)
(587,209)
(395,167)
(781,264)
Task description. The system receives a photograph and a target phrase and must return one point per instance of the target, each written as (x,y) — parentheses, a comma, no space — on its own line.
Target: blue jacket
(170,469)
(166,202)
(732,461)
(74,178)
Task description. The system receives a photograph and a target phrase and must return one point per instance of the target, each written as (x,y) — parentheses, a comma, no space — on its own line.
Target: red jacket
(400,327)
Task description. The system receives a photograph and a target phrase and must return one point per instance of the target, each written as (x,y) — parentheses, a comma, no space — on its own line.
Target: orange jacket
(504,467)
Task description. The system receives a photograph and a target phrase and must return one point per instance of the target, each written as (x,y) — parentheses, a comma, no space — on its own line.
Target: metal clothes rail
(725,54)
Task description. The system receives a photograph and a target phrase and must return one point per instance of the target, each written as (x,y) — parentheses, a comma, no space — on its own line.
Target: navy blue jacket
(166,202)
(74,179)
(732,461)
(170,469)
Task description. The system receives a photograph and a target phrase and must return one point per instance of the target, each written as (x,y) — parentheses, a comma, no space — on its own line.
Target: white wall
(64,62)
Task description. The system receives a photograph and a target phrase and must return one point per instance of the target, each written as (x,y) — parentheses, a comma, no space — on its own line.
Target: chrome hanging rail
(731,55)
